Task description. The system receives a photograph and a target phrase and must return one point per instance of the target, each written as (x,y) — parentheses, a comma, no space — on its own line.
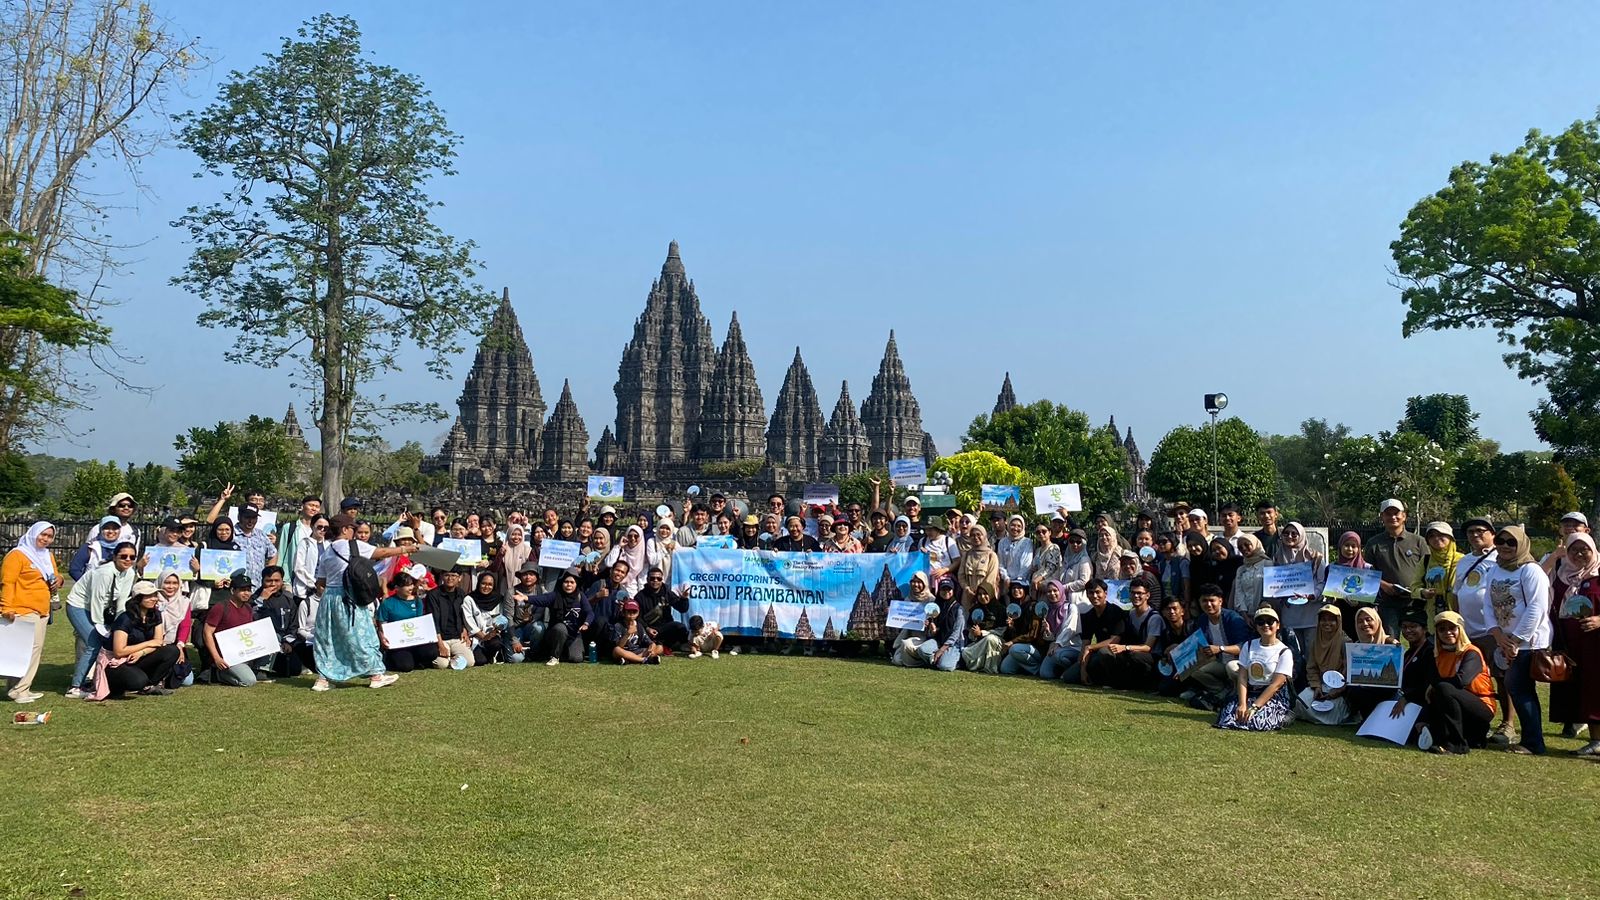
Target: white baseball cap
(1389,504)
(1578,517)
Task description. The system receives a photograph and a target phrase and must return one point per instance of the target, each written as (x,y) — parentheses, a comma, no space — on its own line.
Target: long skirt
(984,654)
(346,645)
(1271,717)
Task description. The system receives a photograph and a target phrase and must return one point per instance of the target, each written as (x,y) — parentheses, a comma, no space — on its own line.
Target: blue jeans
(1525,700)
(530,635)
(238,675)
(1022,659)
(1059,662)
(946,663)
(92,642)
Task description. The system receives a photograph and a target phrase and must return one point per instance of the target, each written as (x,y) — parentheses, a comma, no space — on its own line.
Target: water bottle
(594,652)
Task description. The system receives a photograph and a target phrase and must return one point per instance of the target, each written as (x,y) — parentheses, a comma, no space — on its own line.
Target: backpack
(362,587)
(79,563)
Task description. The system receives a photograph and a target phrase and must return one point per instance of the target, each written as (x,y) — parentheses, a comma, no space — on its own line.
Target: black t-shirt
(879,543)
(137,632)
(1103,625)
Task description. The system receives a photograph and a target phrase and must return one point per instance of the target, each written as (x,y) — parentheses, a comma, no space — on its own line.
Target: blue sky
(1124,205)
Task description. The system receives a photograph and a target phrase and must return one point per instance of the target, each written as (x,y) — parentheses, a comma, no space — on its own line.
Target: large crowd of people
(1478,619)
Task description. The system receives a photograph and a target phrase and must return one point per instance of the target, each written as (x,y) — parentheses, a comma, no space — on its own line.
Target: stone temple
(687,411)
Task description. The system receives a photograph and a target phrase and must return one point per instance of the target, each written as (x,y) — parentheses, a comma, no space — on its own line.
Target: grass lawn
(754,776)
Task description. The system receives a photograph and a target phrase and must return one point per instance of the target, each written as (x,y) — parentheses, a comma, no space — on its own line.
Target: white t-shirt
(1472,591)
(1262,663)
(1519,603)
(335,559)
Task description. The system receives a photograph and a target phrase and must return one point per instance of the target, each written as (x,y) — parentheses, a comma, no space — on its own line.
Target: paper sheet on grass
(1380,725)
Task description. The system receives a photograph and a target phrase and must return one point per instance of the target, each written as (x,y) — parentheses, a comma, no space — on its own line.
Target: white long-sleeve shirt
(1519,604)
(1472,592)
(1016,557)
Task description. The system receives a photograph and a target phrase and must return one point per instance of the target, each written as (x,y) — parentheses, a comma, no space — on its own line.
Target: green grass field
(754,776)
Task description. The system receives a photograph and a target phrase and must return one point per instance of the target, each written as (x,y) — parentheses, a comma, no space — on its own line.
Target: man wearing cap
(122,506)
(1199,521)
(630,640)
(914,513)
(1572,523)
(1401,558)
(350,506)
(222,616)
(449,618)
(528,624)
(259,551)
(1471,589)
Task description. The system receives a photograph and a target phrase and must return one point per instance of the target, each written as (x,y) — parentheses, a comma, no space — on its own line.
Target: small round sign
(1333,680)
(1013,610)
(1322,705)
(977,615)
(930,609)
(694,490)
(1165,668)
(664,511)
(1041,608)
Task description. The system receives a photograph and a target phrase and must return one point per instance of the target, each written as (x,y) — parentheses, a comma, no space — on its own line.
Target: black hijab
(213,542)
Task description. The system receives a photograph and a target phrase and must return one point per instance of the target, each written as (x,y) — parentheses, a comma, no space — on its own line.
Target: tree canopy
(254,454)
(322,251)
(1180,468)
(1057,446)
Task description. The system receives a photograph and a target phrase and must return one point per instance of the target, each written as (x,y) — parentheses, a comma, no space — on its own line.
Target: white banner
(556,554)
(410,632)
(246,642)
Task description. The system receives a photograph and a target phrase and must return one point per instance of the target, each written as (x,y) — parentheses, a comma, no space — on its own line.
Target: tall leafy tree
(1305,489)
(1555,495)
(1058,446)
(1513,245)
(1445,419)
(91,488)
(1180,467)
(19,486)
(254,455)
(971,469)
(36,317)
(85,88)
(323,252)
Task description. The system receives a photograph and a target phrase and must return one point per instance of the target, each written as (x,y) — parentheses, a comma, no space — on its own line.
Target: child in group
(706,637)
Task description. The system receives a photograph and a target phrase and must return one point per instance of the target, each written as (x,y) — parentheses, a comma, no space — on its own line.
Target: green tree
(38,320)
(1180,468)
(19,486)
(1305,490)
(375,466)
(1500,486)
(1554,496)
(91,488)
(1512,245)
(1406,465)
(971,469)
(858,488)
(1058,446)
(85,90)
(1445,419)
(323,251)
(252,455)
(153,486)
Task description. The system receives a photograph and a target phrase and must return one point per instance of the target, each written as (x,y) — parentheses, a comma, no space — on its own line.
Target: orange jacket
(22,587)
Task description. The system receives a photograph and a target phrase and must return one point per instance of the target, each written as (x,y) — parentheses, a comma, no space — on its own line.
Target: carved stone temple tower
(891,416)
(845,448)
(500,406)
(733,417)
(564,444)
(664,376)
(795,432)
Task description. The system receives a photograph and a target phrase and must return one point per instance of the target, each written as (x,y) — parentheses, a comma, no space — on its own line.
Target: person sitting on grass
(1261,680)
(1320,703)
(444,603)
(906,642)
(657,602)
(173,601)
(236,610)
(1131,664)
(1026,651)
(1454,688)
(706,637)
(1066,649)
(570,616)
(943,638)
(1369,630)
(985,648)
(138,659)
(487,623)
(1226,631)
(631,641)
(1100,628)
(401,604)
(1175,629)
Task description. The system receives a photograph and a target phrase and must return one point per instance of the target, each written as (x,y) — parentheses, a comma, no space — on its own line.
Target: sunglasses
(1504,542)
(1262,623)
(124,556)
(125,503)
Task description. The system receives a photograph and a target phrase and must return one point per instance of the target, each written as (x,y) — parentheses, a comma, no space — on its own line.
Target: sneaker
(696,655)
(384,680)
(1590,749)
(34,695)
(716,655)
(25,698)
(1505,734)
(322,685)
(158,691)
(552,661)
(75,694)
(733,652)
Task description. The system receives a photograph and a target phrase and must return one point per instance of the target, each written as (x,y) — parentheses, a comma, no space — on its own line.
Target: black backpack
(362,587)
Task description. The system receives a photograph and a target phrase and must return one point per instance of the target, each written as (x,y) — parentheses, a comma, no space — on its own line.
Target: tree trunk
(335,402)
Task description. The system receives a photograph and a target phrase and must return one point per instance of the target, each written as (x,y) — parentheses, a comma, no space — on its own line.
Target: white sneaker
(695,655)
(322,685)
(552,661)
(75,694)
(25,698)
(733,652)
(716,655)
(384,680)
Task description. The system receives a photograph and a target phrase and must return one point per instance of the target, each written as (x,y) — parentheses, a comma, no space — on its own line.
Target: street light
(1215,403)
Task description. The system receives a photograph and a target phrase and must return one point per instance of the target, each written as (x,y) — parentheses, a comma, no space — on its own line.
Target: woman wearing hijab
(28,582)
(631,550)
(173,601)
(513,554)
(1578,635)
(1350,556)
(1575,564)
(97,549)
(1217,565)
(484,611)
(949,633)
(908,640)
(592,565)
(1369,630)
(1246,594)
(903,542)
(659,549)
(1320,703)
(1047,561)
(1454,689)
(220,537)
(1298,613)
(1107,555)
(1519,599)
(978,571)
(985,649)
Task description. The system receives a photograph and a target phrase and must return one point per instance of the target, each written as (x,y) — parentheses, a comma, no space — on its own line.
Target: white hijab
(40,557)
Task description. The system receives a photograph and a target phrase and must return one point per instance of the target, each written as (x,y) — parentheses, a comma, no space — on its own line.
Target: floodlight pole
(1216,494)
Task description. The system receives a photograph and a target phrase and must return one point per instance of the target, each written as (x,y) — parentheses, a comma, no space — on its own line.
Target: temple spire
(794,433)
(564,455)
(845,447)
(1007,401)
(500,405)
(734,415)
(891,416)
